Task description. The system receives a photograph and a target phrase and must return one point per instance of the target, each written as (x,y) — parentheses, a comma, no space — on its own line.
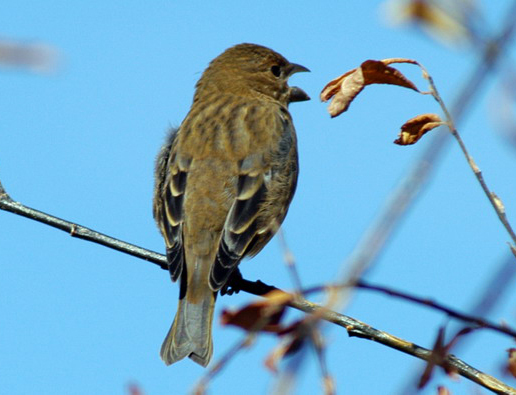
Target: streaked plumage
(224,181)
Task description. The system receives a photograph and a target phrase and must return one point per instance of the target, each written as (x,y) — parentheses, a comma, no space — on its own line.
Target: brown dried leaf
(511,363)
(333,86)
(263,315)
(379,72)
(345,88)
(416,127)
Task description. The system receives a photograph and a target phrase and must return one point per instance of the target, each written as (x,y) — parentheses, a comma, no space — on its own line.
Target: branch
(354,327)
(81,232)
(480,322)
(493,198)
(364,331)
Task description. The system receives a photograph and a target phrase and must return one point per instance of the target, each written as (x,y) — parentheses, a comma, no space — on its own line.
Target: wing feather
(171,176)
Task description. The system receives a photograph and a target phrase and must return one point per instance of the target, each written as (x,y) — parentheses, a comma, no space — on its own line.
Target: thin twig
(81,232)
(259,288)
(437,306)
(493,290)
(495,201)
(364,331)
(319,348)
(289,260)
(310,322)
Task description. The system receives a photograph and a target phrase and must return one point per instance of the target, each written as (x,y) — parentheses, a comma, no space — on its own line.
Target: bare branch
(496,202)
(364,331)
(480,322)
(81,232)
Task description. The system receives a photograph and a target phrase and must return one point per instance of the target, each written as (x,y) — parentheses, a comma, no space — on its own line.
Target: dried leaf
(333,86)
(416,127)
(379,72)
(263,315)
(345,88)
(511,363)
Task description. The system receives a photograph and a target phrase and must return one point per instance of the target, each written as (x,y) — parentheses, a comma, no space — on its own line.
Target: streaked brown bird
(224,182)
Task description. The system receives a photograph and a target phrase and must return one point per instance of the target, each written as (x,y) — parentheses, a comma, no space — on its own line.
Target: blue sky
(80,143)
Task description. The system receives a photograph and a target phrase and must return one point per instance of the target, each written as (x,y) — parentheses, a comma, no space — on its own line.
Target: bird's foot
(233,283)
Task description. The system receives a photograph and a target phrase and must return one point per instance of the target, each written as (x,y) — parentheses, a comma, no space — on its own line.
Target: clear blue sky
(77,318)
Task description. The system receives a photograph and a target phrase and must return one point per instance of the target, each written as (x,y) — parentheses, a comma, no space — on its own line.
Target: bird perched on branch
(224,182)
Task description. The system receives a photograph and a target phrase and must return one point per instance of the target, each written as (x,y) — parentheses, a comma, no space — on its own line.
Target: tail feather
(190,333)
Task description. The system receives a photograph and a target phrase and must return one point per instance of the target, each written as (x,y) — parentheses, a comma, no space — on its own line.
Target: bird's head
(253,70)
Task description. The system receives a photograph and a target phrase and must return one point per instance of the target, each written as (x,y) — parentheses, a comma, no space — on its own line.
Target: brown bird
(224,182)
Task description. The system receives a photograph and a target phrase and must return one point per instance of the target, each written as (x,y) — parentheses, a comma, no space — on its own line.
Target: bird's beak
(297,94)
(293,68)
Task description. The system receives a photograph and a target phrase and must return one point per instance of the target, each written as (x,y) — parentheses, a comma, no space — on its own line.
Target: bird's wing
(168,202)
(264,189)
(241,224)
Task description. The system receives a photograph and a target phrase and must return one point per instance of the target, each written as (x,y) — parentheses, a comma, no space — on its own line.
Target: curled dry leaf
(346,87)
(263,315)
(511,363)
(416,127)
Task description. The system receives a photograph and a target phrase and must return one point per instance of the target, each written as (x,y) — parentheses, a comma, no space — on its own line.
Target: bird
(224,181)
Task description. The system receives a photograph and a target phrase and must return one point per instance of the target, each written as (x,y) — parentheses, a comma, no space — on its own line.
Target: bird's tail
(190,333)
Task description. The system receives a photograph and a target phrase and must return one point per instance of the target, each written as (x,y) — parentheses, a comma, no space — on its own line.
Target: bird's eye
(276,70)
